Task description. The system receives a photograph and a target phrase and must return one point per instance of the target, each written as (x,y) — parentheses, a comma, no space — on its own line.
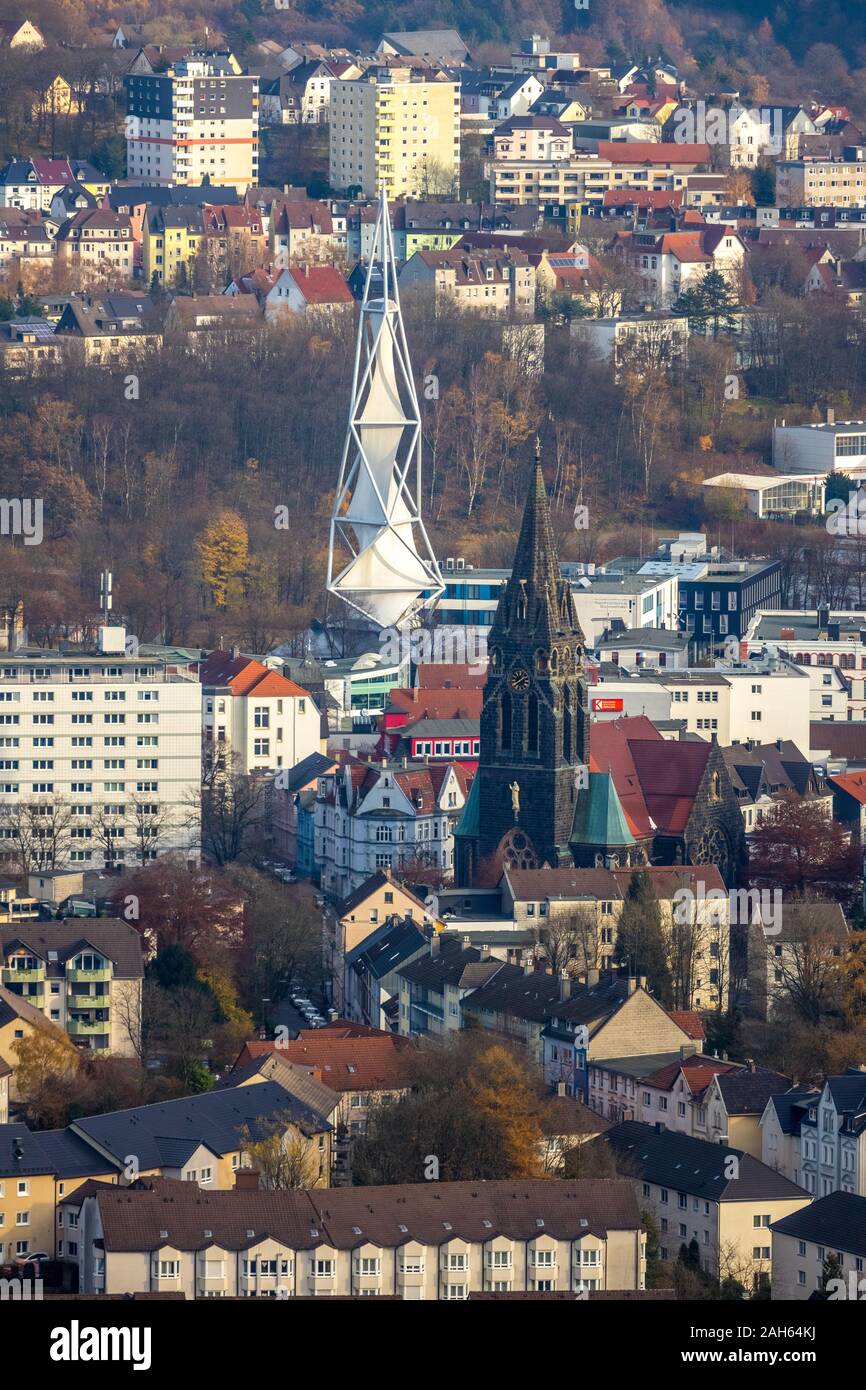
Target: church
(553,790)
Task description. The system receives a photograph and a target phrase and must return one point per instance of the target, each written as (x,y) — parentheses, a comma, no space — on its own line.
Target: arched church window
(554,662)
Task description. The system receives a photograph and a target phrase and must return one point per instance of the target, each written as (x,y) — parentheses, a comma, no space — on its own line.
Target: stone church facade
(542,793)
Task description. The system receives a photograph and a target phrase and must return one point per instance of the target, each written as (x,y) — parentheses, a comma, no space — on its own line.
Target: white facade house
(255,717)
(373,816)
(832,1139)
(829,646)
(115,738)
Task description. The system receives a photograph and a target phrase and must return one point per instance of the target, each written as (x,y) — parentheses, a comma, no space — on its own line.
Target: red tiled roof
(345,1059)
(643,197)
(854,783)
(321,284)
(244,676)
(690,1023)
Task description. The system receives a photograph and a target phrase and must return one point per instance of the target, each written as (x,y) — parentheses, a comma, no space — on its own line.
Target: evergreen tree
(640,939)
(710,300)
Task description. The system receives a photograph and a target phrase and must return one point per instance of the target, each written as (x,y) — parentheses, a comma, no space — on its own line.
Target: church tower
(534,723)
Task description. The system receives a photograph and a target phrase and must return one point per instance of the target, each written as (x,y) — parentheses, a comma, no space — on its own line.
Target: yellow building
(390,131)
(171,241)
(58,99)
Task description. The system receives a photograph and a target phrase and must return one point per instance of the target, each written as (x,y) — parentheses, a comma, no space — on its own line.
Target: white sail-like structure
(391,571)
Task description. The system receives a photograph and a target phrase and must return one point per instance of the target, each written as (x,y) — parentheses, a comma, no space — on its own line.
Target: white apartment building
(829,646)
(829,447)
(256,718)
(388,131)
(373,816)
(733,703)
(116,738)
(198,119)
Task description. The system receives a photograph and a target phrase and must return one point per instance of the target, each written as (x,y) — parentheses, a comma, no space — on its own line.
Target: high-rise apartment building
(100,756)
(199,118)
(389,130)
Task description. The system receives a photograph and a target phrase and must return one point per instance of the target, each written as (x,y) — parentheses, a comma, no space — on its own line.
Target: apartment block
(586,178)
(423,1242)
(838,183)
(84,978)
(390,131)
(200,118)
(717,1198)
(100,755)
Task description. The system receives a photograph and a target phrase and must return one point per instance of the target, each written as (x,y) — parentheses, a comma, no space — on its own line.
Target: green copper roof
(598,816)
(470,820)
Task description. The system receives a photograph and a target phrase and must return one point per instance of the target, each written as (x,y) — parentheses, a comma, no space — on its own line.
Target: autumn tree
(223,549)
(799,848)
(46,1070)
(285,1157)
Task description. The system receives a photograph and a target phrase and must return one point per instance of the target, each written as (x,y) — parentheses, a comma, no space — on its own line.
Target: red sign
(607,704)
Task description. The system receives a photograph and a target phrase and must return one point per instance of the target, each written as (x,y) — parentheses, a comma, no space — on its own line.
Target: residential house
(720,1199)
(359,918)
(234,236)
(655,336)
(433,987)
(27,243)
(425,1244)
(377,816)
(5,1077)
(442,45)
(371,970)
(28,345)
(172,238)
(832,1138)
(18,1020)
(780,1129)
(305,231)
(735,1101)
(517,98)
(84,977)
(781,950)
(494,283)
(531,137)
(21,35)
(313,290)
(668,263)
(763,774)
(57,98)
(293,813)
(253,717)
(197,320)
(364,1065)
(98,244)
(802,1242)
(668,1091)
(109,326)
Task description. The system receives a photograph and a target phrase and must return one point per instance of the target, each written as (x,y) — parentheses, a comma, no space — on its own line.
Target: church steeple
(536,599)
(534,720)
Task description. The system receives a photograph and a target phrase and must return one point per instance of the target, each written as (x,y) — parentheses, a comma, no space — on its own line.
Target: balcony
(88,1001)
(24,977)
(86,977)
(87,1028)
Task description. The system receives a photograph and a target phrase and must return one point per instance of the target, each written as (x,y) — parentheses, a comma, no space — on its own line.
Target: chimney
(688,1050)
(529,969)
(641,979)
(564,987)
(632,984)
(560,1088)
(780,743)
(235,652)
(750,1063)
(435,944)
(591,978)
(823,619)
(247,1180)
(831,415)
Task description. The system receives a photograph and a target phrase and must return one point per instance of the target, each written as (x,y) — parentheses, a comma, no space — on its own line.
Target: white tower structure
(391,571)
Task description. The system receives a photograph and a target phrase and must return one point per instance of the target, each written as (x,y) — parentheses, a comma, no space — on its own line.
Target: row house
(763,774)
(355,921)
(98,243)
(433,987)
(409,1241)
(372,970)
(820,1135)
(27,242)
(493,283)
(33,183)
(373,816)
(306,230)
(834,1225)
(86,979)
(709,1197)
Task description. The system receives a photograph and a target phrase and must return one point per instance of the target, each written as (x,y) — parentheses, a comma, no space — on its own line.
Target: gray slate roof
(696,1166)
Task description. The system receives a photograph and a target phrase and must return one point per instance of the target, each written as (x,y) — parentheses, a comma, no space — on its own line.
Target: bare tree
(152,821)
(570,938)
(39,833)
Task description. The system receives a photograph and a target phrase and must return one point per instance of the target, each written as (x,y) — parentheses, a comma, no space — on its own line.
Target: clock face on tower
(519,680)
